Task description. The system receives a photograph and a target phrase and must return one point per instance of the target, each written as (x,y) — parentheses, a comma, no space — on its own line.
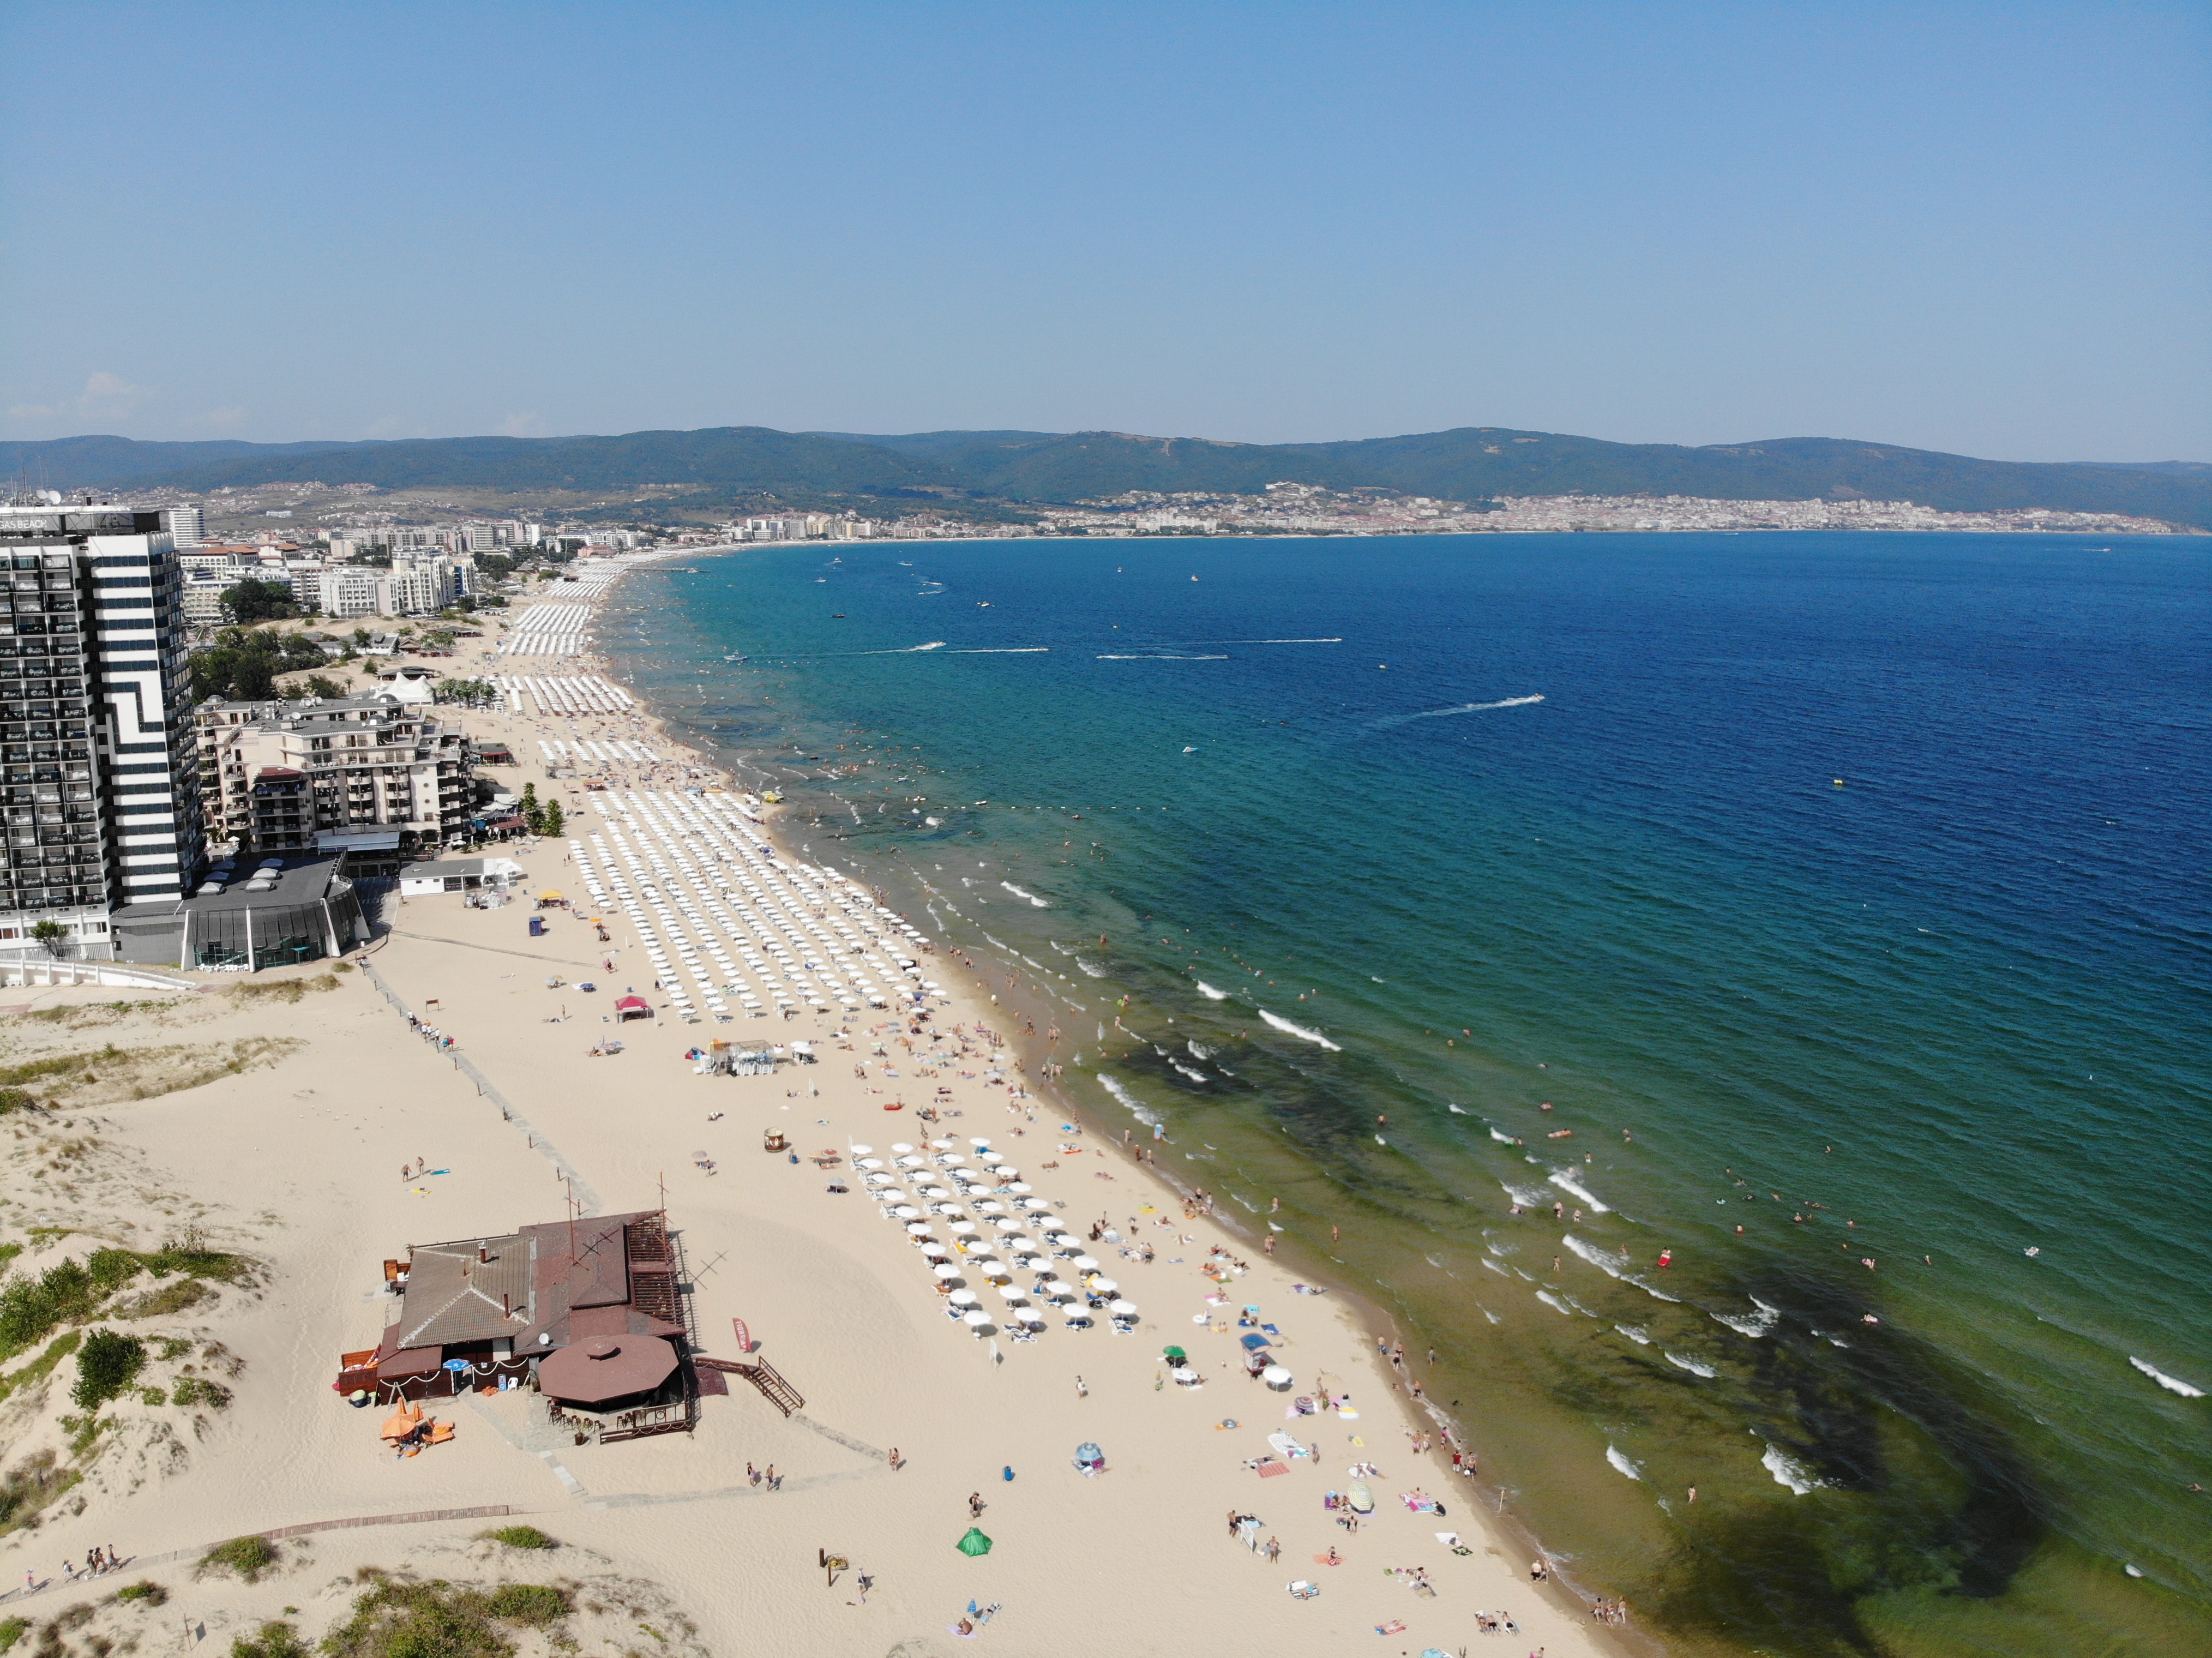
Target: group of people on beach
(98,1562)
(429,1033)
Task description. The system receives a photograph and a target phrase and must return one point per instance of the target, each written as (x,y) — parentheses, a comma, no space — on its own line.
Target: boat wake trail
(1463,707)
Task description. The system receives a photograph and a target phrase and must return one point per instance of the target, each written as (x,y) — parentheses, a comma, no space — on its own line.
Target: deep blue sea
(1830,911)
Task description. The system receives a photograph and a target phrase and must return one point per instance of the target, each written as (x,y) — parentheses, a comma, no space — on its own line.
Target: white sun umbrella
(966,1228)
(1122,1309)
(1056,1291)
(1018,1244)
(952,1209)
(862,1150)
(932,1192)
(917,1229)
(944,1269)
(964,1297)
(1020,1188)
(1005,1173)
(913,1162)
(1004,1224)
(1032,1318)
(1065,1241)
(945,1145)
(978,1320)
(1083,1263)
(1013,1292)
(901,1146)
(1036,1206)
(878,1182)
(986,1206)
(1103,1286)
(1077,1317)
(990,1157)
(934,1249)
(978,1139)
(906,1211)
(951,1159)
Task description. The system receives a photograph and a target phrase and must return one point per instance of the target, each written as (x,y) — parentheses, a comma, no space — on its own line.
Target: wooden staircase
(764,1376)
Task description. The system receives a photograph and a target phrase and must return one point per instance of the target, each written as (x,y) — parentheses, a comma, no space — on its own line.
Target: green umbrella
(974,1543)
(1173,1352)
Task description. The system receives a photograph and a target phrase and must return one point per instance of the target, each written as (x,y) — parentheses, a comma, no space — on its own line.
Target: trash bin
(537,926)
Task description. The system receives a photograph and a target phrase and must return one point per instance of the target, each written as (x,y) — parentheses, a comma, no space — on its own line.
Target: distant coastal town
(356,550)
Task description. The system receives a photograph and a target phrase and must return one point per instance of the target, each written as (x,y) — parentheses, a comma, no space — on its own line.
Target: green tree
(259,601)
(106,1365)
(549,820)
(243,663)
(51,934)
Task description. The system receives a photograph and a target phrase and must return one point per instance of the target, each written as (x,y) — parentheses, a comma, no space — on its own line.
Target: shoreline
(1373,1318)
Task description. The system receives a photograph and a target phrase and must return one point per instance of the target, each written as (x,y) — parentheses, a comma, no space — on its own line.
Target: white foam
(1689,1364)
(1787,1471)
(1496,1268)
(2172,1384)
(1454,1109)
(1636,1336)
(1529,1197)
(1554,1302)
(1565,1181)
(1138,1109)
(1596,1256)
(1486,1313)
(1209,991)
(1197,1050)
(1621,1464)
(1752,1324)
(1503,1139)
(1195,1076)
(1283,1024)
(1031,896)
(1463,707)
(1656,1295)
(1090,968)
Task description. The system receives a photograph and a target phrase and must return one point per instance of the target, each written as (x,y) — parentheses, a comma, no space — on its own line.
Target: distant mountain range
(1469,464)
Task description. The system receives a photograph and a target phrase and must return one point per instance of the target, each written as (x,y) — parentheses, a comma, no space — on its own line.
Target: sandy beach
(295,1159)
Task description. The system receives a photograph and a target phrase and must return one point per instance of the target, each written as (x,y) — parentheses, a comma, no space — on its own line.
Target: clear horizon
(1981,230)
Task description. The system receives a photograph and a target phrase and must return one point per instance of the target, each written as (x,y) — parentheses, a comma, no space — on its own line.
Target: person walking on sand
(1082,1389)
(974,1505)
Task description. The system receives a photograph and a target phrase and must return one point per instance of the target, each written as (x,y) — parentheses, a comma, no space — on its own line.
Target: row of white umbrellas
(925,1195)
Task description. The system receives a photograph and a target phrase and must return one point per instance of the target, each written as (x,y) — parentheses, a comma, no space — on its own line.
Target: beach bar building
(588,1312)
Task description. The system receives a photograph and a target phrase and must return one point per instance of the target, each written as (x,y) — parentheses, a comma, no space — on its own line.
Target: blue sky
(1979,229)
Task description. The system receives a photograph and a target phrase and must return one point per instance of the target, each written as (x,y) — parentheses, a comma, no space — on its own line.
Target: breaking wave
(2172,1384)
(1283,1024)
(1143,1113)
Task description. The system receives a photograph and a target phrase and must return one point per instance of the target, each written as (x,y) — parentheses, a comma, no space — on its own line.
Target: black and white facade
(99,768)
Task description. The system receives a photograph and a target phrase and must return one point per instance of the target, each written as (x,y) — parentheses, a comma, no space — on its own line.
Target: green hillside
(1470,463)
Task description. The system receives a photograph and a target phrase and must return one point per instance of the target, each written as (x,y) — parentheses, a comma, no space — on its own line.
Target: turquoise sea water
(1849,890)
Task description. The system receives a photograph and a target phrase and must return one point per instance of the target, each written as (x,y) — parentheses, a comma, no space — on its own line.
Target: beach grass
(522,1537)
(400,1619)
(250,1557)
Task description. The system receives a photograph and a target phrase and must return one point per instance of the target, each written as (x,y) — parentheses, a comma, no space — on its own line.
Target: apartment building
(97,768)
(365,773)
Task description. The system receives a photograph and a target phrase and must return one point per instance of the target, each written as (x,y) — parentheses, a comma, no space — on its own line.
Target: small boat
(737,657)
(983,604)
(822,578)
(1188,749)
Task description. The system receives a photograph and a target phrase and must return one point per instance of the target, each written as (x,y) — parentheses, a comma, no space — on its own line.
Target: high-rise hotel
(98,762)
